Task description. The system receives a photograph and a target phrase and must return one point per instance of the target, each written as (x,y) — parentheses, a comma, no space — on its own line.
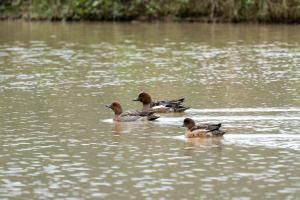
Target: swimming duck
(160,106)
(129,116)
(203,130)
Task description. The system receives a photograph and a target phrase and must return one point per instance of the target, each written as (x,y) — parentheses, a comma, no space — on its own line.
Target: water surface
(58,140)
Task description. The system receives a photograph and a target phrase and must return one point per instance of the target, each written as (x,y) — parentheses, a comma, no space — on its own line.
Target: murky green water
(57,139)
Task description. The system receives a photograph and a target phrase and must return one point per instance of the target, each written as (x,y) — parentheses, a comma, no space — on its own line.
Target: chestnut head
(116,107)
(188,123)
(143,97)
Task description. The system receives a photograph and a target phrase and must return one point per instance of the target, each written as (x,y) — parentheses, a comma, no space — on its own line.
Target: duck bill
(108,106)
(135,99)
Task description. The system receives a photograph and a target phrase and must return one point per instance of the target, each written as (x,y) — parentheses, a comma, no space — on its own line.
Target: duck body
(200,131)
(160,106)
(132,115)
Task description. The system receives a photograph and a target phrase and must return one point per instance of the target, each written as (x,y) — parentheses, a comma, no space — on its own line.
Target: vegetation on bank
(286,11)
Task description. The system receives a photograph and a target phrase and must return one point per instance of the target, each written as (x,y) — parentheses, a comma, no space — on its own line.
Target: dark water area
(58,140)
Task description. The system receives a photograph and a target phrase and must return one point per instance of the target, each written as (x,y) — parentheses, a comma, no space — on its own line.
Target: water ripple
(58,140)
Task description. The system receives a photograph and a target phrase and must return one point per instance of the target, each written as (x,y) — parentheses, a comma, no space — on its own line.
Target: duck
(160,106)
(132,115)
(203,130)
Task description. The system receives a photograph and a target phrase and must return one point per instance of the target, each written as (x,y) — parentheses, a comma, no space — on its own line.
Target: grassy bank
(269,11)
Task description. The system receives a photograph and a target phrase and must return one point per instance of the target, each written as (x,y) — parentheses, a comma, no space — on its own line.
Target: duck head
(116,107)
(188,123)
(144,97)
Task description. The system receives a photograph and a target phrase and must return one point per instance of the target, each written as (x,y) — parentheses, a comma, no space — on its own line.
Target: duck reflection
(204,142)
(120,128)
(213,143)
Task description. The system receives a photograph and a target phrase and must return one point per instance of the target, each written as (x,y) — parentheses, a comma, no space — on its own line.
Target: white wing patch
(158,107)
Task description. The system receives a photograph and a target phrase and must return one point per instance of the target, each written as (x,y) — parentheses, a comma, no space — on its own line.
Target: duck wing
(172,105)
(129,118)
(134,115)
(149,114)
(218,132)
(177,101)
(209,127)
(214,129)
(167,103)
(130,112)
(137,113)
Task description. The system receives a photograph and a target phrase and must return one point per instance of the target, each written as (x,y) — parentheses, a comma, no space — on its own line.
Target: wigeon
(160,106)
(129,116)
(203,130)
